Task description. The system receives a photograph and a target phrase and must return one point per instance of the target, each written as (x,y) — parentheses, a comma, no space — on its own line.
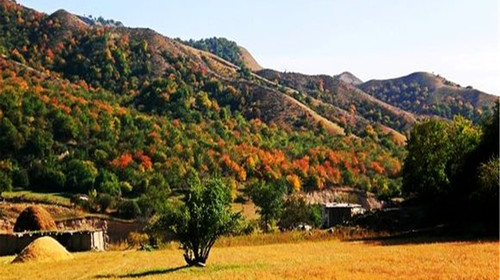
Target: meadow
(330,259)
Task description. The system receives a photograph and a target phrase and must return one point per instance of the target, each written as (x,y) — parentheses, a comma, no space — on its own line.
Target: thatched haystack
(43,249)
(34,218)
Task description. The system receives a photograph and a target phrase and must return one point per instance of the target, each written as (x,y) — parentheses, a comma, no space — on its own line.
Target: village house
(339,213)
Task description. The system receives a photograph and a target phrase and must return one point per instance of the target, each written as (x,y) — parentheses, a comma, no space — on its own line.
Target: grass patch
(34,197)
(256,239)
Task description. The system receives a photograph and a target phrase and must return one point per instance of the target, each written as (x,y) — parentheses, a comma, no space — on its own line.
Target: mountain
(128,112)
(429,94)
(348,102)
(349,78)
(248,60)
(92,105)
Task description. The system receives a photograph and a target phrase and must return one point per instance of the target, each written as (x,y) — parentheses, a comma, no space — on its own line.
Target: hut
(339,213)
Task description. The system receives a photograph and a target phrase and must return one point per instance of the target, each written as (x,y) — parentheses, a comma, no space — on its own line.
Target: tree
(269,199)
(80,175)
(5,182)
(10,138)
(296,212)
(437,151)
(424,166)
(204,217)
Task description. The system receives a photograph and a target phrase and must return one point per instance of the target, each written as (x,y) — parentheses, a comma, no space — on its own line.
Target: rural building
(75,241)
(339,213)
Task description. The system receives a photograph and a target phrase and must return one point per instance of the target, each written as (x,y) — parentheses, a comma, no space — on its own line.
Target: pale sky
(458,39)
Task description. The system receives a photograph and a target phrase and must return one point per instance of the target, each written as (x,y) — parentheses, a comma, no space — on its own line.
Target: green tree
(205,216)
(269,199)
(296,212)
(64,127)
(80,175)
(156,196)
(40,143)
(107,182)
(5,182)
(437,151)
(424,169)
(10,138)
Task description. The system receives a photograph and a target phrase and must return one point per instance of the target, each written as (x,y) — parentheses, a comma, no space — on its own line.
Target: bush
(125,187)
(128,209)
(5,182)
(20,178)
(107,182)
(104,201)
(136,239)
(80,175)
(47,178)
(246,227)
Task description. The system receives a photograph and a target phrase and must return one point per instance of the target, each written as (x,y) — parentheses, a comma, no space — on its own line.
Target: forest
(81,111)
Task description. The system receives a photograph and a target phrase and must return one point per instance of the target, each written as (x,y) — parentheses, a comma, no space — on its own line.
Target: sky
(458,39)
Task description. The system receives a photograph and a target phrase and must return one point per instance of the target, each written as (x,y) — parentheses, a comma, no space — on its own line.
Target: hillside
(346,97)
(248,60)
(132,114)
(429,94)
(128,112)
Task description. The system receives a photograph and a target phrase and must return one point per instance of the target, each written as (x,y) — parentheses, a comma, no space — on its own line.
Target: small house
(339,213)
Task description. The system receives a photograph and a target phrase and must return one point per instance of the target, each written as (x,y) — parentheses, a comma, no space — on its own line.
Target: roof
(342,205)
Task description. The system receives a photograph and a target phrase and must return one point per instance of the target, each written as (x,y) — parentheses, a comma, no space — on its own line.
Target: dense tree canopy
(456,165)
(436,153)
(221,47)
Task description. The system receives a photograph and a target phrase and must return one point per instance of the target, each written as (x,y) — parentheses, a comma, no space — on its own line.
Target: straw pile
(43,249)
(34,218)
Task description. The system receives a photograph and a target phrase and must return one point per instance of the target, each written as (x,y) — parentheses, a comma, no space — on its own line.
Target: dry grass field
(303,260)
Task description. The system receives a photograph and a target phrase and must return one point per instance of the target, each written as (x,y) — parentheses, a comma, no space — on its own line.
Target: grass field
(304,260)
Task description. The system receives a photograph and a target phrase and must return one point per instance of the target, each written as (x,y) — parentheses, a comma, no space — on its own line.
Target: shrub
(128,209)
(246,227)
(5,182)
(20,178)
(103,202)
(136,239)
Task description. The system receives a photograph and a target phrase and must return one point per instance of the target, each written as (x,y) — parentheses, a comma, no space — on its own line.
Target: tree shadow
(428,236)
(143,273)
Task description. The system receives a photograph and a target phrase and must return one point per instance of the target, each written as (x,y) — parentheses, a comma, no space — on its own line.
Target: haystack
(34,218)
(43,249)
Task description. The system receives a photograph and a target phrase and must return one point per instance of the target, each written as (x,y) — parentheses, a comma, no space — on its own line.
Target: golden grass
(304,260)
(339,233)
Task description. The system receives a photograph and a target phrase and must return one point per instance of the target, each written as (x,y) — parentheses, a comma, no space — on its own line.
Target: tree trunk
(195,261)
